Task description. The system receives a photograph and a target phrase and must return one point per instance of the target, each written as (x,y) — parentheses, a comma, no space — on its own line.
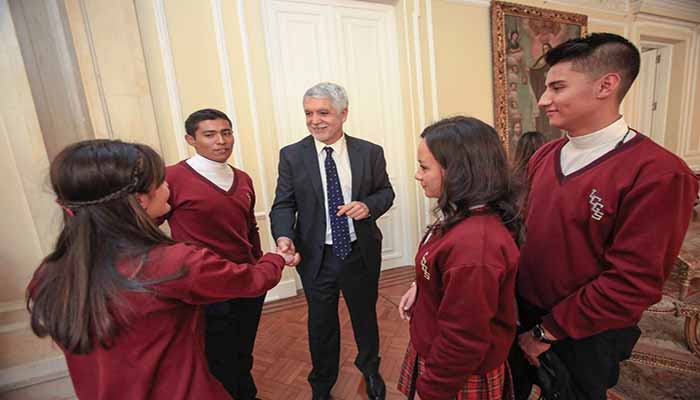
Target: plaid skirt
(496,384)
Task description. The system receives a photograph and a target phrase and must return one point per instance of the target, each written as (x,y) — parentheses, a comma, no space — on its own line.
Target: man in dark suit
(330,191)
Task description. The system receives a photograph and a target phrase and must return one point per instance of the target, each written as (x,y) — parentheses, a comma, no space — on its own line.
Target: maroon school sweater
(203,213)
(159,353)
(463,321)
(601,241)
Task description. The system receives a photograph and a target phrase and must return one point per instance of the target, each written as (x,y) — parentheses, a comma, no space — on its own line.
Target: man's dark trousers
(359,288)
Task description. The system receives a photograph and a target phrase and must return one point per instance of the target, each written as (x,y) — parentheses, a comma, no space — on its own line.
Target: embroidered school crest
(597,206)
(424,266)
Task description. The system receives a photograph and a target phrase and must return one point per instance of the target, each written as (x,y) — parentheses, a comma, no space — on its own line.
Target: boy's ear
(608,85)
(190,139)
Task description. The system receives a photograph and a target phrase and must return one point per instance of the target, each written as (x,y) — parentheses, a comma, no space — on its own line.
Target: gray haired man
(331,190)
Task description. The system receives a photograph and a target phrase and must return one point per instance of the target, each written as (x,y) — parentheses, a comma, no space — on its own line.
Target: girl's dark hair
(476,170)
(74,294)
(528,143)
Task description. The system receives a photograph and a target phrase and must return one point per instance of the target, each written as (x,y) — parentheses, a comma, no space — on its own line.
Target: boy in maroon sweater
(213,205)
(605,218)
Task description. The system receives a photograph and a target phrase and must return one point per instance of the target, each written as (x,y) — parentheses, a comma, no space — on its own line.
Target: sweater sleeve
(209,278)
(652,222)
(469,303)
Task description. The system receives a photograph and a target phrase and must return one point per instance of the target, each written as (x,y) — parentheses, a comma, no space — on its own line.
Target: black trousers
(359,288)
(231,327)
(592,362)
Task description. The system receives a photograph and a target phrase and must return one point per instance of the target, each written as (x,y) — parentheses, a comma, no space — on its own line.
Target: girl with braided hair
(122,299)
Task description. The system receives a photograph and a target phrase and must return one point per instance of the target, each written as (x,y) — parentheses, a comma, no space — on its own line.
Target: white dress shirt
(342,164)
(220,174)
(583,150)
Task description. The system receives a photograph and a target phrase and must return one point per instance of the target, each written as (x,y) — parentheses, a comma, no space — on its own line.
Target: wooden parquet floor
(283,362)
(282,359)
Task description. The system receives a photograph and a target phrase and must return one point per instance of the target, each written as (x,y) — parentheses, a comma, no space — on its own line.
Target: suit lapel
(311,162)
(356,165)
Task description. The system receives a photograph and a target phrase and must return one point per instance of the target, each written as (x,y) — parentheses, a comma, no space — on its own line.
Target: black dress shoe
(376,389)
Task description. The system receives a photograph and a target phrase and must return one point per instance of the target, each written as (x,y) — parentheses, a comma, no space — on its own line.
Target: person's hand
(356,210)
(285,245)
(532,347)
(406,303)
(285,248)
(288,258)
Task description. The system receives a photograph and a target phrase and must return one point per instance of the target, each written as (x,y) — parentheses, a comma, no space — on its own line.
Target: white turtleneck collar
(583,150)
(220,174)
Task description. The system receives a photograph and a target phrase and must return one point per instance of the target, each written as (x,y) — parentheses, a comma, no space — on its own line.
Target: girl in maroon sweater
(120,298)
(462,305)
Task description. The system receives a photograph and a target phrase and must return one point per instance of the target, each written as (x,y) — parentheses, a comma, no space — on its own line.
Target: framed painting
(521,37)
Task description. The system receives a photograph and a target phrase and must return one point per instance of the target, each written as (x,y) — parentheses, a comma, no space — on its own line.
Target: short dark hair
(206,114)
(476,170)
(600,53)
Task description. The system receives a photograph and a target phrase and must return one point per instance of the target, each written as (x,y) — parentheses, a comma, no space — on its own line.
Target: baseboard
(286,288)
(32,373)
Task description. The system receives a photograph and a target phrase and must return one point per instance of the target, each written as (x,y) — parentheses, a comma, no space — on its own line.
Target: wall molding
(421,95)
(225,70)
(106,115)
(286,288)
(676,9)
(433,80)
(14,316)
(245,45)
(667,29)
(478,3)
(689,98)
(431,59)
(664,21)
(411,104)
(616,7)
(11,155)
(170,76)
(32,373)
(12,306)
(14,327)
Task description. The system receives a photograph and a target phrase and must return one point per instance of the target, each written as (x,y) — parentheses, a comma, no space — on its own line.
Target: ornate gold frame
(498,12)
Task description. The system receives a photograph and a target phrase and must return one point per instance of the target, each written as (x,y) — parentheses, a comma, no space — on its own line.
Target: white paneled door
(354,44)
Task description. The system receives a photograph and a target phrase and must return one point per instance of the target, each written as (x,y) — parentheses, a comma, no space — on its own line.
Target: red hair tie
(66,209)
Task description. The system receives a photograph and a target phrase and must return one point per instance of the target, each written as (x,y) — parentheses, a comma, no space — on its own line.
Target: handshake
(286,249)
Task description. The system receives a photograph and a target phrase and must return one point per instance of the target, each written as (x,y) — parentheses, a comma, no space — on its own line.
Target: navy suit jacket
(299,212)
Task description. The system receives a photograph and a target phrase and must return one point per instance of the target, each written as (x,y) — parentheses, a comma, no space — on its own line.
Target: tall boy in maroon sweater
(606,215)
(213,205)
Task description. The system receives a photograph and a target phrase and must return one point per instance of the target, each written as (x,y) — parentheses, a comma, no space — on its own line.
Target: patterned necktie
(334,196)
